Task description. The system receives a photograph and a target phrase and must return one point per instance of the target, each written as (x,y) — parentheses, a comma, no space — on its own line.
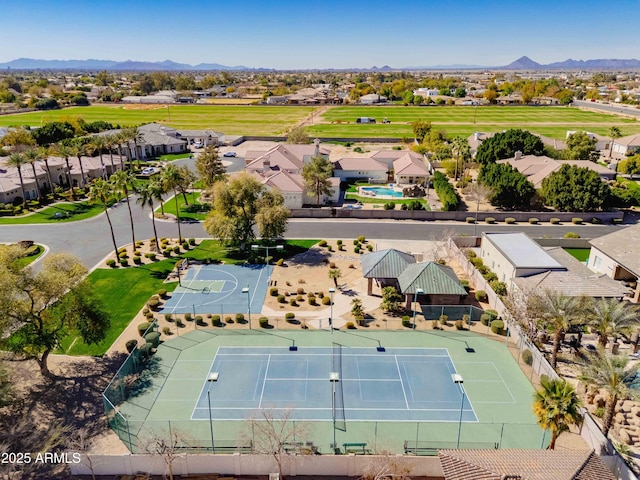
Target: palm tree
(122,182)
(171,178)
(610,316)
(158,190)
(146,196)
(102,191)
(109,143)
(43,153)
(128,135)
(118,140)
(79,150)
(559,312)
(462,151)
(97,144)
(556,406)
(612,374)
(335,274)
(65,152)
(31,155)
(17,159)
(614,133)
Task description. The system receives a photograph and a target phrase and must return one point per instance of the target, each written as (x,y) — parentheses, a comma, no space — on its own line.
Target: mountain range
(523,63)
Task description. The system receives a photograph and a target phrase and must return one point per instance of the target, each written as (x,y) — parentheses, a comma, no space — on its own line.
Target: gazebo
(385,266)
(438,284)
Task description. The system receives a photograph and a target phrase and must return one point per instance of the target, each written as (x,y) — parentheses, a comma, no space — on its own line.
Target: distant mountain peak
(523,63)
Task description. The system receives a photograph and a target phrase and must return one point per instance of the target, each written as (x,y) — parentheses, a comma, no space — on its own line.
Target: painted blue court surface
(217,289)
(399,384)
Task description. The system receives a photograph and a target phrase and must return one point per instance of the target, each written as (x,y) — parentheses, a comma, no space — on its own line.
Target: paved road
(608,107)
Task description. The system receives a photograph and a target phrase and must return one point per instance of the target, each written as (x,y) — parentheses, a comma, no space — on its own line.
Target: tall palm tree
(559,312)
(97,144)
(171,179)
(43,153)
(556,406)
(612,374)
(123,181)
(146,196)
(118,140)
(127,136)
(102,191)
(462,152)
(79,150)
(610,317)
(110,143)
(17,159)
(65,152)
(614,133)
(31,155)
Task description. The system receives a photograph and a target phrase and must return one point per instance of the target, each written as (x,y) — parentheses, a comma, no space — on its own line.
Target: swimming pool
(382,191)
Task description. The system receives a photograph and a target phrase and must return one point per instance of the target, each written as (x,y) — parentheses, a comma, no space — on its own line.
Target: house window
(597,262)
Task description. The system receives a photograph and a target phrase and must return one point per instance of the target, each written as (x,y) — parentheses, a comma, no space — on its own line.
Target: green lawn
(382,201)
(170,207)
(170,157)
(25,261)
(67,212)
(276,120)
(580,254)
(124,291)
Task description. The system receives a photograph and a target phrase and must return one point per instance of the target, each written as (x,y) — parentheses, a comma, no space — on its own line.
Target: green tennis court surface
(392,400)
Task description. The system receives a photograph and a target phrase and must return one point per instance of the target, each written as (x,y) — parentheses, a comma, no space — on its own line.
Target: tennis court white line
(264,381)
(328,409)
(290,355)
(204,384)
(402,383)
(505,383)
(255,287)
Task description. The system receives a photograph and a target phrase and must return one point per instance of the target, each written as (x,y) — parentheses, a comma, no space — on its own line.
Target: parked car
(365,120)
(229,154)
(198,144)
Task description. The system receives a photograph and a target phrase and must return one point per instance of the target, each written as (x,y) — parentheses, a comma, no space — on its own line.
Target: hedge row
(445,191)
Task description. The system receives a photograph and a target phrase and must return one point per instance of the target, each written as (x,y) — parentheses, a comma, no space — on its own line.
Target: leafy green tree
(420,129)
(611,317)
(185,180)
(236,207)
(580,146)
(557,407)
(316,176)
(46,305)
(16,137)
(391,300)
(209,166)
(356,309)
(298,135)
(53,132)
(630,165)
(614,375)
(510,188)
(576,189)
(103,192)
(505,144)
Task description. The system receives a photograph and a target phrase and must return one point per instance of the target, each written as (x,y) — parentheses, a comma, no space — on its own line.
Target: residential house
(365,168)
(372,98)
(626,146)
(616,255)
(409,169)
(206,137)
(537,168)
(155,139)
(388,157)
(603,144)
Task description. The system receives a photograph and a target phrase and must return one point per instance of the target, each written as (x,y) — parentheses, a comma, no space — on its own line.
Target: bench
(357,448)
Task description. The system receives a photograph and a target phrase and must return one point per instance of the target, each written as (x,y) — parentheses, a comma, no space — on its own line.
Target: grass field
(276,120)
(580,254)
(68,212)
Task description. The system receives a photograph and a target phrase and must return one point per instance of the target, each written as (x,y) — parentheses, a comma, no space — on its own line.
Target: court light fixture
(457,379)
(213,377)
(246,290)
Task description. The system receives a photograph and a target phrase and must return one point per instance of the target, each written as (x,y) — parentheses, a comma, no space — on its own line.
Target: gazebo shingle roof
(432,278)
(388,263)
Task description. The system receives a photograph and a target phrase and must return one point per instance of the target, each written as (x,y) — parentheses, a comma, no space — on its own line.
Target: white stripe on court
(402,383)
(264,381)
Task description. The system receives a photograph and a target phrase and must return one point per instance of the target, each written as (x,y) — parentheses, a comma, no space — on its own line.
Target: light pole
(418,291)
(333,378)
(246,290)
(266,247)
(331,292)
(457,379)
(213,377)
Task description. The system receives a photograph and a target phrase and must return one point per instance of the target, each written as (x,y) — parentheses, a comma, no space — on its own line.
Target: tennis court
(218,289)
(394,384)
(394,390)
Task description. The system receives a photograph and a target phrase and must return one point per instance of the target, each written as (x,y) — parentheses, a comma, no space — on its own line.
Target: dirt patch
(141,106)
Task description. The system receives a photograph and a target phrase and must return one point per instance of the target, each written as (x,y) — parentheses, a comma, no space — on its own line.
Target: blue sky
(321,34)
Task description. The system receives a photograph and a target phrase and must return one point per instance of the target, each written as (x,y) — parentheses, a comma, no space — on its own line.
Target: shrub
(338,242)
(444,320)
(281,299)
(289,316)
(489,220)
(356,242)
(111,263)
(470,220)
(153,338)
(179,322)
(481,296)
(485,319)
(167,252)
(124,262)
(293,302)
(299,298)
(351,326)
(137,260)
(131,345)
(527,356)
(239,317)
(465,285)
(446,192)
(166,330)
(356,249)
(123,255)
(228,319)
(146,350)
(153,304)
(389,206)
(329,248)
(490,276)
(185,246)
(362,239)
(510,220)
(192,241)
(459,325)
(322,243)
(188,317)
(312,300)
(571,235)
(162,293)
(215,319)
(149,316)
(280,262)
(497,327)
(300,291)
(599,412)
(370,247)
(576,220)
(596,221)
(493,314)
(263,322)
(470,254)
(533,221)
(554,221)
(326,301)
(168,317)
(499,287)
(143,327)
(320,294)
(273,291)
(406,321)
(476,261)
